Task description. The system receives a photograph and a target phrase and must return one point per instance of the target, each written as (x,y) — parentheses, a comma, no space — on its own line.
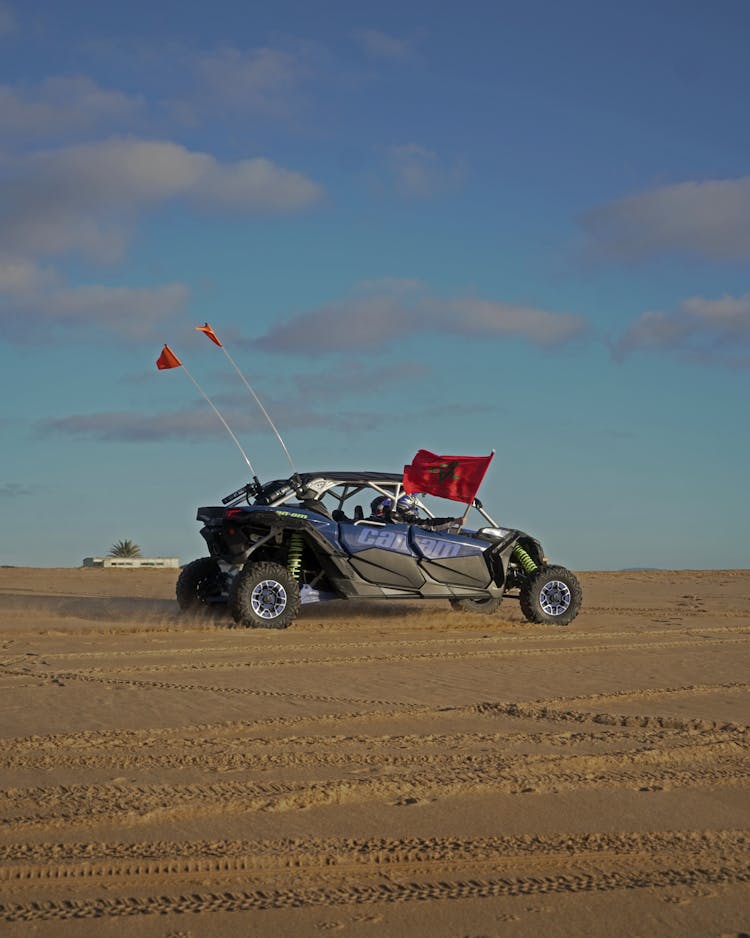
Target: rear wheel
(200,586)
(483,606)
(264,596)
(552,595)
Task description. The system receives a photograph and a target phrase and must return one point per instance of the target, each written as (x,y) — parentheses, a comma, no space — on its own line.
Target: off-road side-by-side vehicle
(315,537)
(355,535)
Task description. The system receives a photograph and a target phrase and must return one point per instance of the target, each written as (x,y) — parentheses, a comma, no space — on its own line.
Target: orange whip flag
(455,477)
(167,359)
(207,330)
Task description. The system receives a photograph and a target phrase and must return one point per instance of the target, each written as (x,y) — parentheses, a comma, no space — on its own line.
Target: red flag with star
(455,477)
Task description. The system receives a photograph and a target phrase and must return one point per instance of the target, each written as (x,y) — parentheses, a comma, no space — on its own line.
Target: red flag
(207,330)
(455,477)
(167,359)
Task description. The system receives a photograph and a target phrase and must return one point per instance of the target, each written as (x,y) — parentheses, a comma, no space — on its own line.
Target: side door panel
(382,554)
(452,559)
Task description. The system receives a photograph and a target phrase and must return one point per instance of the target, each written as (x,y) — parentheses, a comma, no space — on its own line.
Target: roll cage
(337,487)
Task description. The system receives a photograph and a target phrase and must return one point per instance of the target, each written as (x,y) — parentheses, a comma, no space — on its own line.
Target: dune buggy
(310,538)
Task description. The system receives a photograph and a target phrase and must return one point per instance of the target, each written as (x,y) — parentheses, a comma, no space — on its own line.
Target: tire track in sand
(691,765)
(522,634)
(349,660)
(290,852)
(384,892)
(13,747)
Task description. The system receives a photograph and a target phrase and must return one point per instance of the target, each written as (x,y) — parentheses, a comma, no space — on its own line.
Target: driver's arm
(439,524)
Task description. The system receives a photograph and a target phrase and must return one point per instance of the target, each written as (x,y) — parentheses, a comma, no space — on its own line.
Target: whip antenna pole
(228,428)
(168,359)
(207,330)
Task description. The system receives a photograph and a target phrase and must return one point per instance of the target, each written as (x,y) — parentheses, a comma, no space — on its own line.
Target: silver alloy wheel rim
(555,598)
(268,599)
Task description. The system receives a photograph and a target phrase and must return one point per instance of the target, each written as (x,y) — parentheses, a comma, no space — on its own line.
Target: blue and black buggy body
(312,537)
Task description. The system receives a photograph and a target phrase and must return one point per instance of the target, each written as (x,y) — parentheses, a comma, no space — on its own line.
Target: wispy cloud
(707,330)
(84,198)
(263,80)
(62,106)
(130,426)
(14,490)
(380,45)
(355,376)
(199,423)
(419,173)
(393,285)
(38,306)
(372,321)
(709,219)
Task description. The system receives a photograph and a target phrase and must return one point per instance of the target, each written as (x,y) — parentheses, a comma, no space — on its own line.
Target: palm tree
(125,549)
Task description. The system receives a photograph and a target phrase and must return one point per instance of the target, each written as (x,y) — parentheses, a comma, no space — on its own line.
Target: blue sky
(520,227)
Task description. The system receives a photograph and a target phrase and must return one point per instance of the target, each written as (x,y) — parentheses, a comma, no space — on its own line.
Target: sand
(376,769)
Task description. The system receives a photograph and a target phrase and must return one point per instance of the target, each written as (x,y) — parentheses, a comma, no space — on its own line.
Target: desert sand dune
(394,769)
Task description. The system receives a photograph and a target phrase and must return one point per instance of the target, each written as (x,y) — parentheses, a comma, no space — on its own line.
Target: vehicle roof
(336,476)
(330,478)
(353,476)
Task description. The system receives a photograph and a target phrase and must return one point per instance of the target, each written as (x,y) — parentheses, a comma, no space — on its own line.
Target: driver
(406,512)
(381,509)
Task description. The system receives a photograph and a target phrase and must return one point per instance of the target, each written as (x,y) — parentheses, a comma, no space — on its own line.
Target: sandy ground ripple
(394,769)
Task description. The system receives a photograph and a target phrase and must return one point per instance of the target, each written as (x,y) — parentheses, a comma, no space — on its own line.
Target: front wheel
(264,596)
(552,595)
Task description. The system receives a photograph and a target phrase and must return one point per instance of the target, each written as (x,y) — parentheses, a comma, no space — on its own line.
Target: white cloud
(198,422)
(358,375)
(709,219)
(84,198)
(707,330)
(18,275)
(419,173)
(477,317)
(264,80)
(37,306)
(63,105)
(380,45)
(372,321)
(193,422)
(255,186)
(136,312)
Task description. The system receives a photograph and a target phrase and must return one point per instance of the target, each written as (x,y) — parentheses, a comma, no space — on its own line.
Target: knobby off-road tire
(552,595)
(199,587)
(483,606)
(264,596)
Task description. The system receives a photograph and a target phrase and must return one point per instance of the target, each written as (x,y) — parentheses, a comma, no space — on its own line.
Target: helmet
(406,508)
(379,506)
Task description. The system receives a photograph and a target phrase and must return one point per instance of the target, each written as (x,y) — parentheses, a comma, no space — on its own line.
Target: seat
(312,504)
